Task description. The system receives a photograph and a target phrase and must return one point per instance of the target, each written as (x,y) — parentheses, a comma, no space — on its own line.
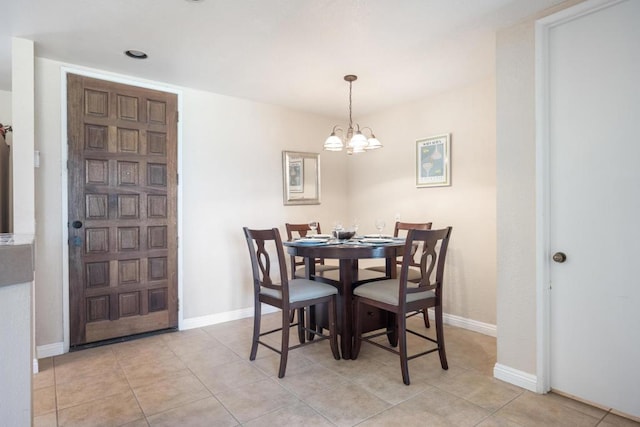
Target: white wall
(382,183)
(516,191)
(232,177)
(22,110)
(5,107)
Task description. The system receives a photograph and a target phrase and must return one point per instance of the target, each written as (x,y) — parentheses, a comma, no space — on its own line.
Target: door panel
(594,101)
(122,209)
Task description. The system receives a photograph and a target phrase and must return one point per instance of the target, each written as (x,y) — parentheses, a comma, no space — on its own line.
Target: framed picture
(433,164)
(296,176)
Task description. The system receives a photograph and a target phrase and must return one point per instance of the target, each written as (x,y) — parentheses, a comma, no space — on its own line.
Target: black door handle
(76,224)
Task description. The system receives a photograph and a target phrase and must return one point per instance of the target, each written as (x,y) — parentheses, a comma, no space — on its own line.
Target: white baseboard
(212,319)
(49,350)
(516,377)
(463,322)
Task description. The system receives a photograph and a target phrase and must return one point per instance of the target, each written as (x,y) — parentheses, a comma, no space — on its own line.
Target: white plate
(311,241)
(319,236)
(377,236)
(376,240)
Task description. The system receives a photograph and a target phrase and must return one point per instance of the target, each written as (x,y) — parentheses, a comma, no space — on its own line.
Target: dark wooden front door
(122,173)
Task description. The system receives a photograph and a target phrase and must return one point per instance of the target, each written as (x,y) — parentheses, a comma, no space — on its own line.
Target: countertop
(16,259)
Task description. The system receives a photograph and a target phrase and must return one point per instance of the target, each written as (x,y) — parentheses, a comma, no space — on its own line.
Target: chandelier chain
(350,120)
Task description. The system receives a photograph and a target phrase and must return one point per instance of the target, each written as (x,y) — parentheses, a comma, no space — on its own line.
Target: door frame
(543,208)
(115,78)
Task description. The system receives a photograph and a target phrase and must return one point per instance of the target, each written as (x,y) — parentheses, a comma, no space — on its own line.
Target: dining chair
(414,267)
(401,296)
(275,288)
(298,269)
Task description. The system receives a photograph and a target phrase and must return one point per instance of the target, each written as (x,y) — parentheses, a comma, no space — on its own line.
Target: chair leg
(358,328)
(256,330)
(284,346)
(392,329)
(440,337)
(402,338)
(333,328)
(425,314)
(312,322)
(301,321)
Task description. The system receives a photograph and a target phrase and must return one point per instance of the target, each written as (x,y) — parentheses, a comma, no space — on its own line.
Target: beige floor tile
(47,420)
(611,420)
(429,368)
(204,377)
(486,392)
(45,376)
(386,383)
(99,361)
(394,418)
(110,411)
(229,331)
(351,368)
(205,412)
(142,422)
(498,421)
(531,409)
(141,372)
(230,375)
(309,379)
(44,400)
(90,388)
(291,416)
(253,400)
(242,347)
(141,348)
(579,406)
(346,405)
(435,407)
(209,357)
(170,393)
(270,365)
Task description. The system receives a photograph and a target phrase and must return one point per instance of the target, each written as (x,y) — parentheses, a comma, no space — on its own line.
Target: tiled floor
(202,377)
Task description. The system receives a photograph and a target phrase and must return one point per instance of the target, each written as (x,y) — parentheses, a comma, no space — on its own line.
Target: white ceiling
(292,53)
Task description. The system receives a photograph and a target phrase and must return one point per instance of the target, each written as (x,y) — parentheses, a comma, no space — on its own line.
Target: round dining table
(350,276)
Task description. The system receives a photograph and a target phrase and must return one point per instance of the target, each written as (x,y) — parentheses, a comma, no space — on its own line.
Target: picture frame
(296,175)
(433,161)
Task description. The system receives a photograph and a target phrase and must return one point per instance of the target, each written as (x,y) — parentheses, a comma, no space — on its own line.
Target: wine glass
(337,228)
(313,225)
(380,225)
(355,226)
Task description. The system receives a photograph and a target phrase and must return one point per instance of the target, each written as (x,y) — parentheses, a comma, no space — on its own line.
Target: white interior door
(594,206)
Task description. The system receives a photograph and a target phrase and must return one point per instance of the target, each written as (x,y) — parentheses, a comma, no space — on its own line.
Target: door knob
(76,224)
(559,257)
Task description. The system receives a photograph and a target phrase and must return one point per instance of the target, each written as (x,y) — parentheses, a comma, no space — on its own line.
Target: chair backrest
(406,226)
(262,244)
(302,230)
(434,250)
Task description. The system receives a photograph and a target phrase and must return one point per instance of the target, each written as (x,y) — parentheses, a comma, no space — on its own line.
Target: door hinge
(177,241)
(177,116)
(177,179)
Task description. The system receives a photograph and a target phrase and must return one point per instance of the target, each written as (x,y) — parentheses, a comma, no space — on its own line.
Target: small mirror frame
(307,193)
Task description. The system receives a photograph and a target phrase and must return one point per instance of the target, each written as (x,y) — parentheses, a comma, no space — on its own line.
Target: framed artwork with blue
(433,162)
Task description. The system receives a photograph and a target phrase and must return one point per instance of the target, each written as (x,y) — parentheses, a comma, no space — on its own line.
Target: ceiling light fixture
(136,54)
(356,142)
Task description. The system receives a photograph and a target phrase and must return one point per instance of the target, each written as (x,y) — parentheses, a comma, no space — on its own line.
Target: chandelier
(355,141)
